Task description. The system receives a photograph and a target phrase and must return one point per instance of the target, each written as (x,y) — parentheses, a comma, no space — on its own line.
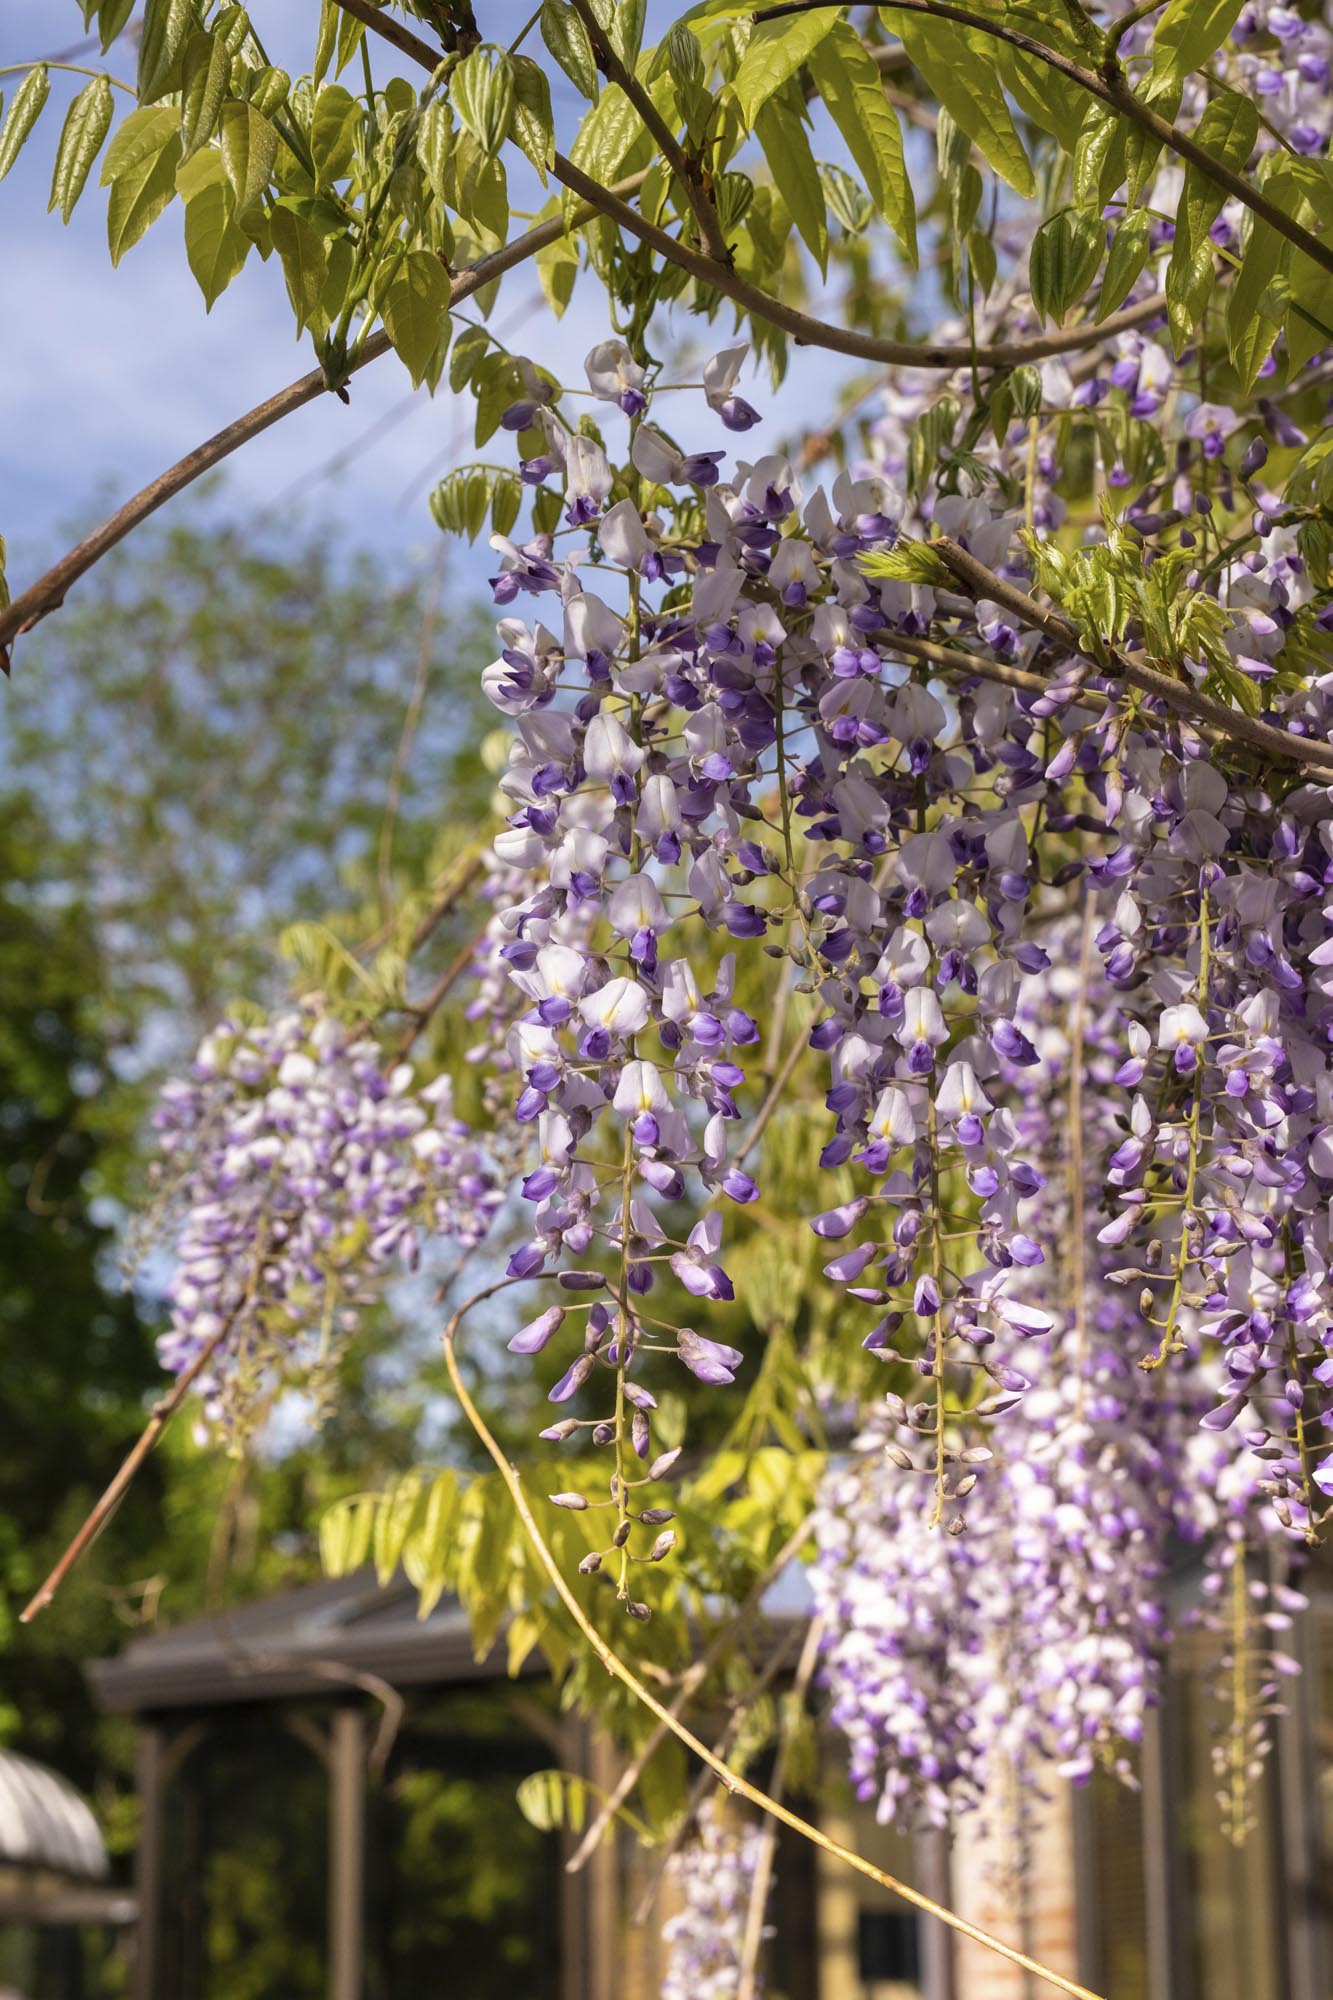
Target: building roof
(45,1824)
(345,1632)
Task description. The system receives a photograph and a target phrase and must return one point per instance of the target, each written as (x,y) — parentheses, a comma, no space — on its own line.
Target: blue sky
(108,376)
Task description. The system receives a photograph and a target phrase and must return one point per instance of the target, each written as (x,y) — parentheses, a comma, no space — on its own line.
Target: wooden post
(935,1876)
(1300,1888)
(150,1776)
(1161,1855)
(347,1853)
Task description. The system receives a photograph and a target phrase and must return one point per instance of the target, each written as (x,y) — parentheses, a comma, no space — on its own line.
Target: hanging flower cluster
(713,1875)
(1037,1640)
(1025,779)
(302,1176)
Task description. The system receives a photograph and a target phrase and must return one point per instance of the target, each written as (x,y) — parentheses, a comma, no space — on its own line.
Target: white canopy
(45,1824)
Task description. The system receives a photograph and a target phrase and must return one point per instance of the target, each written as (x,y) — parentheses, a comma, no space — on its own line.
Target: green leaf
(166,25)
(345,1532)
(333,130)
(268,88)
(846,200)
(774,53)
(531,123)
(393,1524)
(24,112)
(566,37)
(206,73)
(1303,190)
(470,351)
(485,1531)
(1252,330)
(908,561)
(496,384)
(1063,261)
(111,18)
(1099,156)
(87,123)
(482,191)
(428,1551)
(780,131)
(215,246)
(481,91)
(330,14)
(1130,248)
(140,169)
(552,1800)
(852,88)
(1188,33)
(249,148)
(233,26)
(982,258)
(506,501)
(202,169)
(1228,130)
(435,146)
(1051,101)
(305,262)
(1232,685)
(959,66)
(557,269)
(351,34)
(607,136)
(415,310)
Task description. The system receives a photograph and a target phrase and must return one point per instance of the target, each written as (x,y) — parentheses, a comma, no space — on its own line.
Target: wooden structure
(54,1878)
(269,1729)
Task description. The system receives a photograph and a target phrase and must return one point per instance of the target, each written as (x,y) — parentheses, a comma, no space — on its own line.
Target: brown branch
(774,1667)
(1109,85)
(100,1513)
(810,332)
(625,1674)
(48,593)
(443,986)
(803,329)
(775,1089)
(1175,695)
(390,30)
(695,1675)
(954,661)
(682,166)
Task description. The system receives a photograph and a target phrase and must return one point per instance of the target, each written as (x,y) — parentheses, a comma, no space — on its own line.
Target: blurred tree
(298,741)
(218,762)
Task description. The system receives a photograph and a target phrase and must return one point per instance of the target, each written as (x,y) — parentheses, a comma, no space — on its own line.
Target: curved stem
(1109,85)
(682,166)
(762,1881)
(48,593)
(803,329)
(845,340)
(1240,728)
(100,1513)
(691,1681)
(71,69)
(619,1670)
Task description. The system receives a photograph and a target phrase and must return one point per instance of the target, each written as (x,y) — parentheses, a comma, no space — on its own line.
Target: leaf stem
(731,1779)
(73,69)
